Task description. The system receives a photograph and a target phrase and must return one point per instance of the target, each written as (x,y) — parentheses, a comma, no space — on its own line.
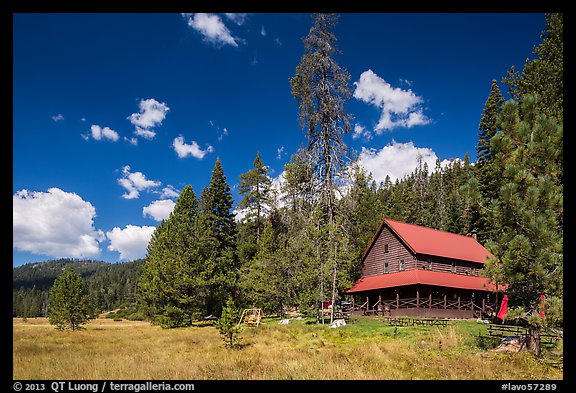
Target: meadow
(364,349)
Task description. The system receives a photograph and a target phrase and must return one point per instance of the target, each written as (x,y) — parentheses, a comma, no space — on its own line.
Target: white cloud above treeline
(399,108)
(184,150)
(134,182)
(55,223)
(395,160)
(159,210)
(131,242)
(212,29)
(151,114)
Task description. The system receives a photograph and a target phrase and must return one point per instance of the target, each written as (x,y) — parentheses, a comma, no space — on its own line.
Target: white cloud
(360,131)
(55,223)
(183,150)
(277,41)
(159,210)
(263,31)
(151,114)
(98,133)
(212,28)
(58,117)
(237,18)
(400,108)
(133,141)
(395,160)
(169,192)
(130,242)
(134,182)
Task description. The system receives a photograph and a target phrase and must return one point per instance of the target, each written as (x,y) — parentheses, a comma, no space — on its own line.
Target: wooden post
(397,300)
(430,299)
(483,306)
(379,301)
(445,304)
(417,297)
(458,302)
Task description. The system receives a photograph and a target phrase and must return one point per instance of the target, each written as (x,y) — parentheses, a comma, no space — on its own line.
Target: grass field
(364,349)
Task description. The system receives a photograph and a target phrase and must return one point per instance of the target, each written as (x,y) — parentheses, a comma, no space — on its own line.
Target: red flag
(503,308)
(542,303)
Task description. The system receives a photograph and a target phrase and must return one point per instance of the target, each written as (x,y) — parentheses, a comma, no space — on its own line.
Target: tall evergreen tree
(218,238)
(488,172)
(528,211)
(69,302)
(168,285)
(255,189)
(321,88)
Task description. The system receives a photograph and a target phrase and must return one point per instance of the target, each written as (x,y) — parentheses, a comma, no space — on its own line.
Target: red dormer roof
(428,241)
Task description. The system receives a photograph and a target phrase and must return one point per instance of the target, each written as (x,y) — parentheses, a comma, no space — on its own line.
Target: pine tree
(529,208)
(218,241)
(69,302)
(168,288)
(227,325)
(255,188)
(321,88)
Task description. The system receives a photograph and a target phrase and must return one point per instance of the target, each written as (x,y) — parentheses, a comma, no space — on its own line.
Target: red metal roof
(418,276)
(430,241)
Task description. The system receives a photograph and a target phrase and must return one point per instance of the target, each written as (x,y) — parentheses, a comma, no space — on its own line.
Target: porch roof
(427,277)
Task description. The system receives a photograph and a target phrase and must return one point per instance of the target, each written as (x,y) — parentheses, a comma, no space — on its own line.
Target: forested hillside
(110,285)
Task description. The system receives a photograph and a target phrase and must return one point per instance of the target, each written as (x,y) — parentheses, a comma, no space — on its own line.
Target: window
(453,267)
(429,264)
(401,265)
(386,269)
(385,247)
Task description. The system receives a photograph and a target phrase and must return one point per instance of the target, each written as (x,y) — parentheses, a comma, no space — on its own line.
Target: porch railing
(381,306)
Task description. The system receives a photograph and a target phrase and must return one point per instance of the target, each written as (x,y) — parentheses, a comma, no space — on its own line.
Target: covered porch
(425,301)
(424,294)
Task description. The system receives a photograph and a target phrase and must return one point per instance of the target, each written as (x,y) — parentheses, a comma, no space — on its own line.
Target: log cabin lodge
(410,270)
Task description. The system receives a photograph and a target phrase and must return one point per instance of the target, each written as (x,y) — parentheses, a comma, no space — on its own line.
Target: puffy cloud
(98,133)
(399,108)
(57,118)
(134,182)
(159,210)
(184,150)
(212,28)
(55,223)
(130,242)
(169,192)
(151,114)
(395,160)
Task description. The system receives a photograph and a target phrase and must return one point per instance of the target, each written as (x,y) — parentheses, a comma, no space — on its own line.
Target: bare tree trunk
(533,339)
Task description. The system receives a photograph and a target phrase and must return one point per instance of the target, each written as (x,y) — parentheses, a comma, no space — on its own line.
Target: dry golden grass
(367,349)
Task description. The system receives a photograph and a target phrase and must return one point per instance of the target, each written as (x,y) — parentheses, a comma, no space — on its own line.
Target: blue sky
(113,114)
